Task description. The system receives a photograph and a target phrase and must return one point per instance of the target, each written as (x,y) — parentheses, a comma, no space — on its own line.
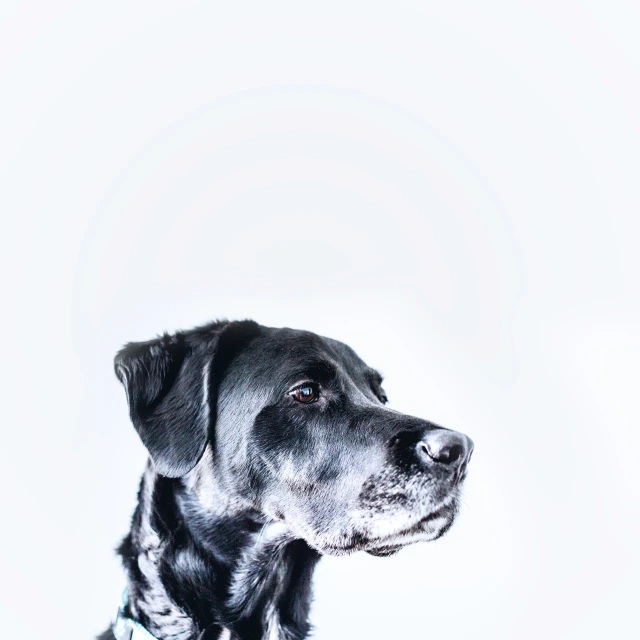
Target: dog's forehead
(288,349)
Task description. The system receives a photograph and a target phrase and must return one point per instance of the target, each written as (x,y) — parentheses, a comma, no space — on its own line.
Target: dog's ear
(171,385)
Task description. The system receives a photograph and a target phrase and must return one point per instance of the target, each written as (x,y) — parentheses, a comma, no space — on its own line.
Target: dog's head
(295,427)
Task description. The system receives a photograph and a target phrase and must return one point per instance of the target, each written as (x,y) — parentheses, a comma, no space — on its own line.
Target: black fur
(248,486)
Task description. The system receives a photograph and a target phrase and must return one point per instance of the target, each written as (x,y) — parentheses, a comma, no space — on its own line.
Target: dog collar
(125,628)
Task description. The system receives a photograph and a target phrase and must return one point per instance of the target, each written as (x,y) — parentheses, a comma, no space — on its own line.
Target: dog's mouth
(430,527)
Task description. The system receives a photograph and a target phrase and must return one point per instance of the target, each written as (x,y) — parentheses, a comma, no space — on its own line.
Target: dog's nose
(448,448)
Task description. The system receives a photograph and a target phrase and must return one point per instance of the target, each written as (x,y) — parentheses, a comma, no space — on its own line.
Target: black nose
(448,448)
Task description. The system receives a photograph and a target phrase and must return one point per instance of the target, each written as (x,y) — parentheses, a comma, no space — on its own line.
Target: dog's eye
(306,393)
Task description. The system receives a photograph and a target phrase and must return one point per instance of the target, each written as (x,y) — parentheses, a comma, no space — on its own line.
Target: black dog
(269,448)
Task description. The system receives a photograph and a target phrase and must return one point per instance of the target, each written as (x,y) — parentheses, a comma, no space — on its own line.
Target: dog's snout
(448,448)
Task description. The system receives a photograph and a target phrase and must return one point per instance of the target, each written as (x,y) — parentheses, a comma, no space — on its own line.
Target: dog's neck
(190,570)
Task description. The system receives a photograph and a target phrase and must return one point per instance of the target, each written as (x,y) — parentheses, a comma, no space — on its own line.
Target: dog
(269,448)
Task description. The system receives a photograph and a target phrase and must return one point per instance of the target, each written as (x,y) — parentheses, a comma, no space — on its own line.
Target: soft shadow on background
(451,189)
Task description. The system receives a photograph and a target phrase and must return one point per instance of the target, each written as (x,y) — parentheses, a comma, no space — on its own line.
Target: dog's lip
(393,542)
(441,512)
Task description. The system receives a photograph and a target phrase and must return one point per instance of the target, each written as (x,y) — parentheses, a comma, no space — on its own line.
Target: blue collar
(125,628)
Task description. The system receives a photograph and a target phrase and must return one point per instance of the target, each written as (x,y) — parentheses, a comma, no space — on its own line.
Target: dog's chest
(272,634)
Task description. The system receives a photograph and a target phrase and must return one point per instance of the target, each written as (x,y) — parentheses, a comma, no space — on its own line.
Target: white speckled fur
(260,563)
(154,602)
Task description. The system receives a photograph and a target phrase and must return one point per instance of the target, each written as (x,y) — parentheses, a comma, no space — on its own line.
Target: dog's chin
(429,528)
(389,547)
(384,552)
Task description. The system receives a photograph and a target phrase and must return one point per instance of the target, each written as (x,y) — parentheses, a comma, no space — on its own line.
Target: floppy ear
(171,383)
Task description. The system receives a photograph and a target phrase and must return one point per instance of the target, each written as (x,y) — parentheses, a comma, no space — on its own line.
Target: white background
(451,188)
